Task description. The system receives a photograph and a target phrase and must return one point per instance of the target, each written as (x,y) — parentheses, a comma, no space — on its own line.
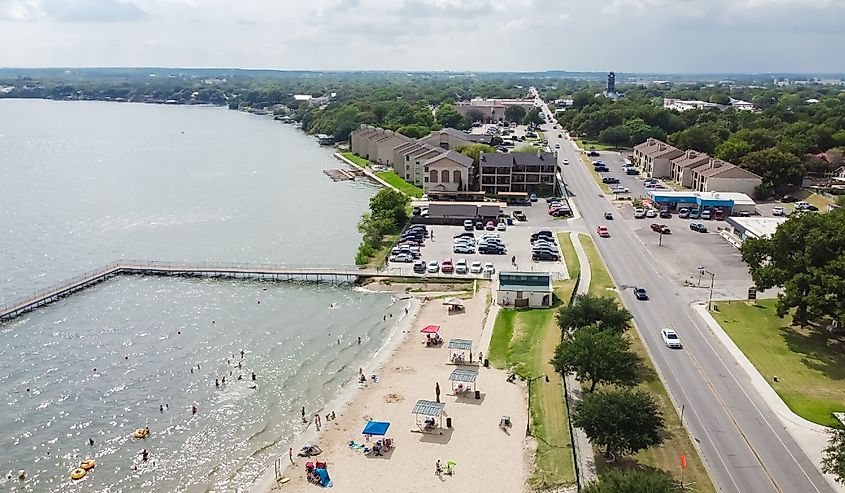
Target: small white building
(524,289)
(754,227)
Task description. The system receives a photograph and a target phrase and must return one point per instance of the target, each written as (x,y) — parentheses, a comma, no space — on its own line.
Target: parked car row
(487,243)
(469,225)
(408,246)
(544,247)
(449,267)
(559,207)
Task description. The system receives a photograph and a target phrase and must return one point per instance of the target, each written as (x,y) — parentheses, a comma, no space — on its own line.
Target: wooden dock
(267,272)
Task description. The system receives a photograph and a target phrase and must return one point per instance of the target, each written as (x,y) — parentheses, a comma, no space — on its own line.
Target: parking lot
(516,239)
(681,253)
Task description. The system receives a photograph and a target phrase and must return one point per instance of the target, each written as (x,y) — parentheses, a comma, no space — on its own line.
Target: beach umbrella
(431,329)
(378,428)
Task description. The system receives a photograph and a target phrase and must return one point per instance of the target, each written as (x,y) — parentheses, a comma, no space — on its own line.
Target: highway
(744,445)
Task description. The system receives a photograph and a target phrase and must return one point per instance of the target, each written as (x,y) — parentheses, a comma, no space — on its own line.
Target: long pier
(268,272)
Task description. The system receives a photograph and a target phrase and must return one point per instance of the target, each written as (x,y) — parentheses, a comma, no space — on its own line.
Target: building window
(433,175)
(444,176)
(456,177)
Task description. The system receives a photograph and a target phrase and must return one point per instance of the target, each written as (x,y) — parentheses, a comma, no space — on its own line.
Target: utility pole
(702,271)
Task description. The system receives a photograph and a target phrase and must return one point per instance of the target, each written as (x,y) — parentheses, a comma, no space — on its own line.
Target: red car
(447,267)
(661,228)
(603,232)
(490,226)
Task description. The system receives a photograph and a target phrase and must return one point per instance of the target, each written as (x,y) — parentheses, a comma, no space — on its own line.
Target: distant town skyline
(659,36)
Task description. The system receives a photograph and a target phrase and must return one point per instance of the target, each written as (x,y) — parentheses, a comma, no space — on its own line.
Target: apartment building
(516,171)
(682,166)
(449,171)
(721,176)
(653,157)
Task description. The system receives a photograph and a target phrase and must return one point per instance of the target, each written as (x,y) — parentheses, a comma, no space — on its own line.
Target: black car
(608,216)
(701,228)
(519,215)
(641,294)
(609,180)
(479,225)
(465,234)
(602,169)
(544,256)
(592,153)
(491,250)
(546,233)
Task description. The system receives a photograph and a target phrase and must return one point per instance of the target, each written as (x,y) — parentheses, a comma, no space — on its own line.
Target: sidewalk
(811,437)
(585,461)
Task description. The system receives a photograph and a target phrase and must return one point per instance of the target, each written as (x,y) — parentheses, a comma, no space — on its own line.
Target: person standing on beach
(317,421)
(437,393)
(438,469)
(470,357)
(303,414)
(290,455)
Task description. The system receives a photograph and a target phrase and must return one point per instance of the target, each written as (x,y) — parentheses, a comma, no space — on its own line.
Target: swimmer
(359,339)
(253,376)
(91,442)
(240,377)
(192,370)
(224,379)
(193,410)
(242,353)
(161,408)
(333,416)
(145,455)
(217,383)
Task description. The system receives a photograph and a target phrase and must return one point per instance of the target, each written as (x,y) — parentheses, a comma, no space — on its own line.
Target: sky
(698,36)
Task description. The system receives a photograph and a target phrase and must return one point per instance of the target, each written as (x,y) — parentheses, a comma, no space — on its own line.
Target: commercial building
(754,227)
(731,202)
(653,157)
(492,110)
(524,289)
(517,172)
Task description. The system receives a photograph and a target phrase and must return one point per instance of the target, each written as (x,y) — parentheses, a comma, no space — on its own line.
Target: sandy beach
(487,457)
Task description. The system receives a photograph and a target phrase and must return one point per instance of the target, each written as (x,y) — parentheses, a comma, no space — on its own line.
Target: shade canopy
(376,428)
(454,302)
(429,408)
(463,375)
(431,329)
(460,344)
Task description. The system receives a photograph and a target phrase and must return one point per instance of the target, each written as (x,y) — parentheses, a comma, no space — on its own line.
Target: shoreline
(266,480)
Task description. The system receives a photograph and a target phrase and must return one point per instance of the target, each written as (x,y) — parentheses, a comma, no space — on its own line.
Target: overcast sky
(493,35)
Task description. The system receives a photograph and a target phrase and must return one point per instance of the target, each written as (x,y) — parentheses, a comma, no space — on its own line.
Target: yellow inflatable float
(78,473)
(88,464)
(141,433)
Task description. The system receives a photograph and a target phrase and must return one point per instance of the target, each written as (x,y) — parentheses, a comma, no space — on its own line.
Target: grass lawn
(594,144)
(813,198)
(525,340)
(573,266)
(810,367)
(667,455)
(596,175)
(358,160)
(402,185)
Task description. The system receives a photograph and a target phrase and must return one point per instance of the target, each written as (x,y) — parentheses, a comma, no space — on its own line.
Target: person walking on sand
(290,455)
(437,391)
(438,469)
(303,414)
(317,421)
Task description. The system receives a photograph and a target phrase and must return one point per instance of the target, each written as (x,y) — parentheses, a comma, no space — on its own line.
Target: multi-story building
(654,157)
(721,176)
(492,110)
(517,171)
(448,171)
(682,166)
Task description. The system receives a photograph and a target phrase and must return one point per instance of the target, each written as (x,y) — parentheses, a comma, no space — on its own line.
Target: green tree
(775,167)
(833,460)
(720,98)
(696,138)
(616,136)
(581,99)
(534,116)
(414,131)
(448,117)
(600,356)
(475,115)
(475,151)
(619,419)
(389,203)
(806,257)
(732,150)
(601,311)
(840,201)
(640,131)
(514,113)
(633,481)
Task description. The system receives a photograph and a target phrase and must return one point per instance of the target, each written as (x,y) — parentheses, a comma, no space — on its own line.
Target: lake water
(84,184)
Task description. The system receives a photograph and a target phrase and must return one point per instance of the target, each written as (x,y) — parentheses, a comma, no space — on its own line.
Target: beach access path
(488,458)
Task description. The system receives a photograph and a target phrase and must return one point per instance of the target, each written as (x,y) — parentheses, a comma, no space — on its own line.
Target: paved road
(746,448)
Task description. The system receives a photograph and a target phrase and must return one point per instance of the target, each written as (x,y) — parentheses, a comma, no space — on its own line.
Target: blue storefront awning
(376,428)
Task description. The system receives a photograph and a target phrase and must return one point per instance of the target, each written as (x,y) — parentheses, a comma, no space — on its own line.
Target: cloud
(71,10)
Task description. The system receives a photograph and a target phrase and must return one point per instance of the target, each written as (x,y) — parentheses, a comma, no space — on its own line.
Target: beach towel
(355,446)
(325,482)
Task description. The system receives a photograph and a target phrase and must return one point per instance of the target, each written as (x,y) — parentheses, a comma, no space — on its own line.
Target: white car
(461,266)
(651,213)
(778,211)
(501,227)
(424,197)
(488,235)
(639,213)
(476,267)
(489,269)
(433,267)
(402,257)
(670,338)
(620,189)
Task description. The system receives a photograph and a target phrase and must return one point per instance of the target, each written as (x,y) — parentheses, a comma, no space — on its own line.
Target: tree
(840,201)
(389,203)
(514,113)
(581,99)
(633,481)
(775,167)
(720,98)
(732,150)
(696,138)
(806,257)
(600,356)
(533,116)
(475,151)
(475,115)
(640,131)
(601,311)
(413,131)
(833,460)
(616,136)
(448,117)
(620,420)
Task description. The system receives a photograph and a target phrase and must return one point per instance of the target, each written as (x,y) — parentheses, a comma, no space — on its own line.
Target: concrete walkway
(585,461)
(811,437)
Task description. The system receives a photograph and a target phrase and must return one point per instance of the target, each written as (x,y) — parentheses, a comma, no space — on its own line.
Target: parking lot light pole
(701,272)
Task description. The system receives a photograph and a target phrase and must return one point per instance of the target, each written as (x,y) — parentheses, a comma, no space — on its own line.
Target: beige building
(682,166)
(654,157)
(448,171)
(451,139)
(492,110)
(721,176)
(517,171)
(377,144)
